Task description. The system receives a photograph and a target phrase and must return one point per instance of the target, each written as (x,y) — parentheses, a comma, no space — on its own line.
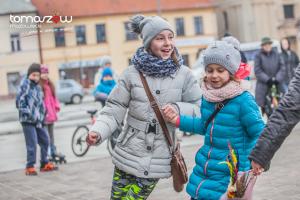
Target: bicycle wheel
(79,144)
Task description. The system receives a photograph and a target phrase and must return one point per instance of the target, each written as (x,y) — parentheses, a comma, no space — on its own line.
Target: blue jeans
(34,136)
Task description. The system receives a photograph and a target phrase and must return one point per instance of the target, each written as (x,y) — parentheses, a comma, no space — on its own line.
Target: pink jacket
(51,104)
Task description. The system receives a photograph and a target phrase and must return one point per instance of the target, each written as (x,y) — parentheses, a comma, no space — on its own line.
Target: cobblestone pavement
(89,180)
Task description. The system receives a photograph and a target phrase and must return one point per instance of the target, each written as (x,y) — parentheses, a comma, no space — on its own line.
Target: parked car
(69,91)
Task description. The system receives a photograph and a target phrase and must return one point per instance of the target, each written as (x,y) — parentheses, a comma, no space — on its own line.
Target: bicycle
(272,100)
(79,144)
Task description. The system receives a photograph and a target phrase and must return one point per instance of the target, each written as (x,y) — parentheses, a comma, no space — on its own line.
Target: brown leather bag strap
(157,111)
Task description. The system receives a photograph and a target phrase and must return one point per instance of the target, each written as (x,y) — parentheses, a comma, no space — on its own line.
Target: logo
(16,19)
(34,22)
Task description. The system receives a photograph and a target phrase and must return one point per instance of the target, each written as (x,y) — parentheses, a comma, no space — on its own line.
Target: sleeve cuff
(177,122)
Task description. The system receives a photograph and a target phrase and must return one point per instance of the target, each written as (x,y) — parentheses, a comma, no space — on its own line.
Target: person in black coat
(291,60)
(279,126)
(269,69)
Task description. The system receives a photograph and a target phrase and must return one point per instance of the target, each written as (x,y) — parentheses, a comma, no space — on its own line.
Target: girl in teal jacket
(238,123)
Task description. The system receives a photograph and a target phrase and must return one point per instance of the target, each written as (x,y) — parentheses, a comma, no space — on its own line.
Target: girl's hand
(93,138)
(256,168)
(170,113)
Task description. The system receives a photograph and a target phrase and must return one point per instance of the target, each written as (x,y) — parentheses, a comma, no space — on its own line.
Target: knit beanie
(105,60)
(233,41)
(148,27)
(34,67)
(224,54)
(44,69)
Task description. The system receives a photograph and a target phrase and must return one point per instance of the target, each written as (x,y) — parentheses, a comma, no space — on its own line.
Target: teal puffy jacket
(239,123)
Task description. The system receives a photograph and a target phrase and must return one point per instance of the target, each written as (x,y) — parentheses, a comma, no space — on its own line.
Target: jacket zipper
(208,158)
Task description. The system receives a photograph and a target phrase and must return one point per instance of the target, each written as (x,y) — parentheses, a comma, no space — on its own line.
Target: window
(65,85)
(288,11)
(186,60)
(179,26)
(198,24)
(80,34)
(100,31)
(15,42)
(225,16)
(129,35)
(13,82)
(59,35)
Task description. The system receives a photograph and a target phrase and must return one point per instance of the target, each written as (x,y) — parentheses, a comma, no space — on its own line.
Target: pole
(39,42)
(158,7)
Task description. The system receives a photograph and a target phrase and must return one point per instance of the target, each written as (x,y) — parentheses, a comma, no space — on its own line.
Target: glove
(275,82)
(272,81)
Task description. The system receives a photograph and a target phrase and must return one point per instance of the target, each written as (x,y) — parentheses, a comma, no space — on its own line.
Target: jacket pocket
(130,133)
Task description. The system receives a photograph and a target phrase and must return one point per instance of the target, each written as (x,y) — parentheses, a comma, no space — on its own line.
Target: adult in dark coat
(279,126)
(290,58)
(269,69)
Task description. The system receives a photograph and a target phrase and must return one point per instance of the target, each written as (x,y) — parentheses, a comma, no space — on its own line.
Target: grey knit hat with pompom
(224,54)
(148,27)
(233,41)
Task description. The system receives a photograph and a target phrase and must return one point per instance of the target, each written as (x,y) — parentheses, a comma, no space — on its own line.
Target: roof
(81,8)
(16,6)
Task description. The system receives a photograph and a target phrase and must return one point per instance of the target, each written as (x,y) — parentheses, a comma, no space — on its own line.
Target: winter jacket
(51,104)
(280,124)
(238,123)
(29,102)
(99,75)
(291,62)
(105,87)
(267,66)
(141,148)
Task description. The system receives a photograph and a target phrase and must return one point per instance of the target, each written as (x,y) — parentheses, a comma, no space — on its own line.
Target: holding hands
(170,113)
(93,138)
(256,168)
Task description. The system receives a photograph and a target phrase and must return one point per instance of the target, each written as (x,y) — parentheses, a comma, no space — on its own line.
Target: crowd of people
(221,108)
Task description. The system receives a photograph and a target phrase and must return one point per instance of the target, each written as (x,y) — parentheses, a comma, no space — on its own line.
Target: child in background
(105,86)
(29,102)
(238,122)
(52,108)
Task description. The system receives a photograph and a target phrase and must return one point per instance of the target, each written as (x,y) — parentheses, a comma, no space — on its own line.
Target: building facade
(95,31)
(18,49)
(250,20)
(71,36)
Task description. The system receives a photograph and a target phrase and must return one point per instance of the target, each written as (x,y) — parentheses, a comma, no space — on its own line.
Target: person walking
(278,128)
(269,70)
(291,60)
(237,122)
(141,155)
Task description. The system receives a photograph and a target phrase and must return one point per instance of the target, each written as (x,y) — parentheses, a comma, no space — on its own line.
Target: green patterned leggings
(128,187)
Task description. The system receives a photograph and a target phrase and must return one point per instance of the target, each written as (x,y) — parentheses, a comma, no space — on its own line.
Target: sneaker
(48,167)
(30,171)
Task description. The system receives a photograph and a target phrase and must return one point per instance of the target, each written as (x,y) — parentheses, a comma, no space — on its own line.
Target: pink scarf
(230,90)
